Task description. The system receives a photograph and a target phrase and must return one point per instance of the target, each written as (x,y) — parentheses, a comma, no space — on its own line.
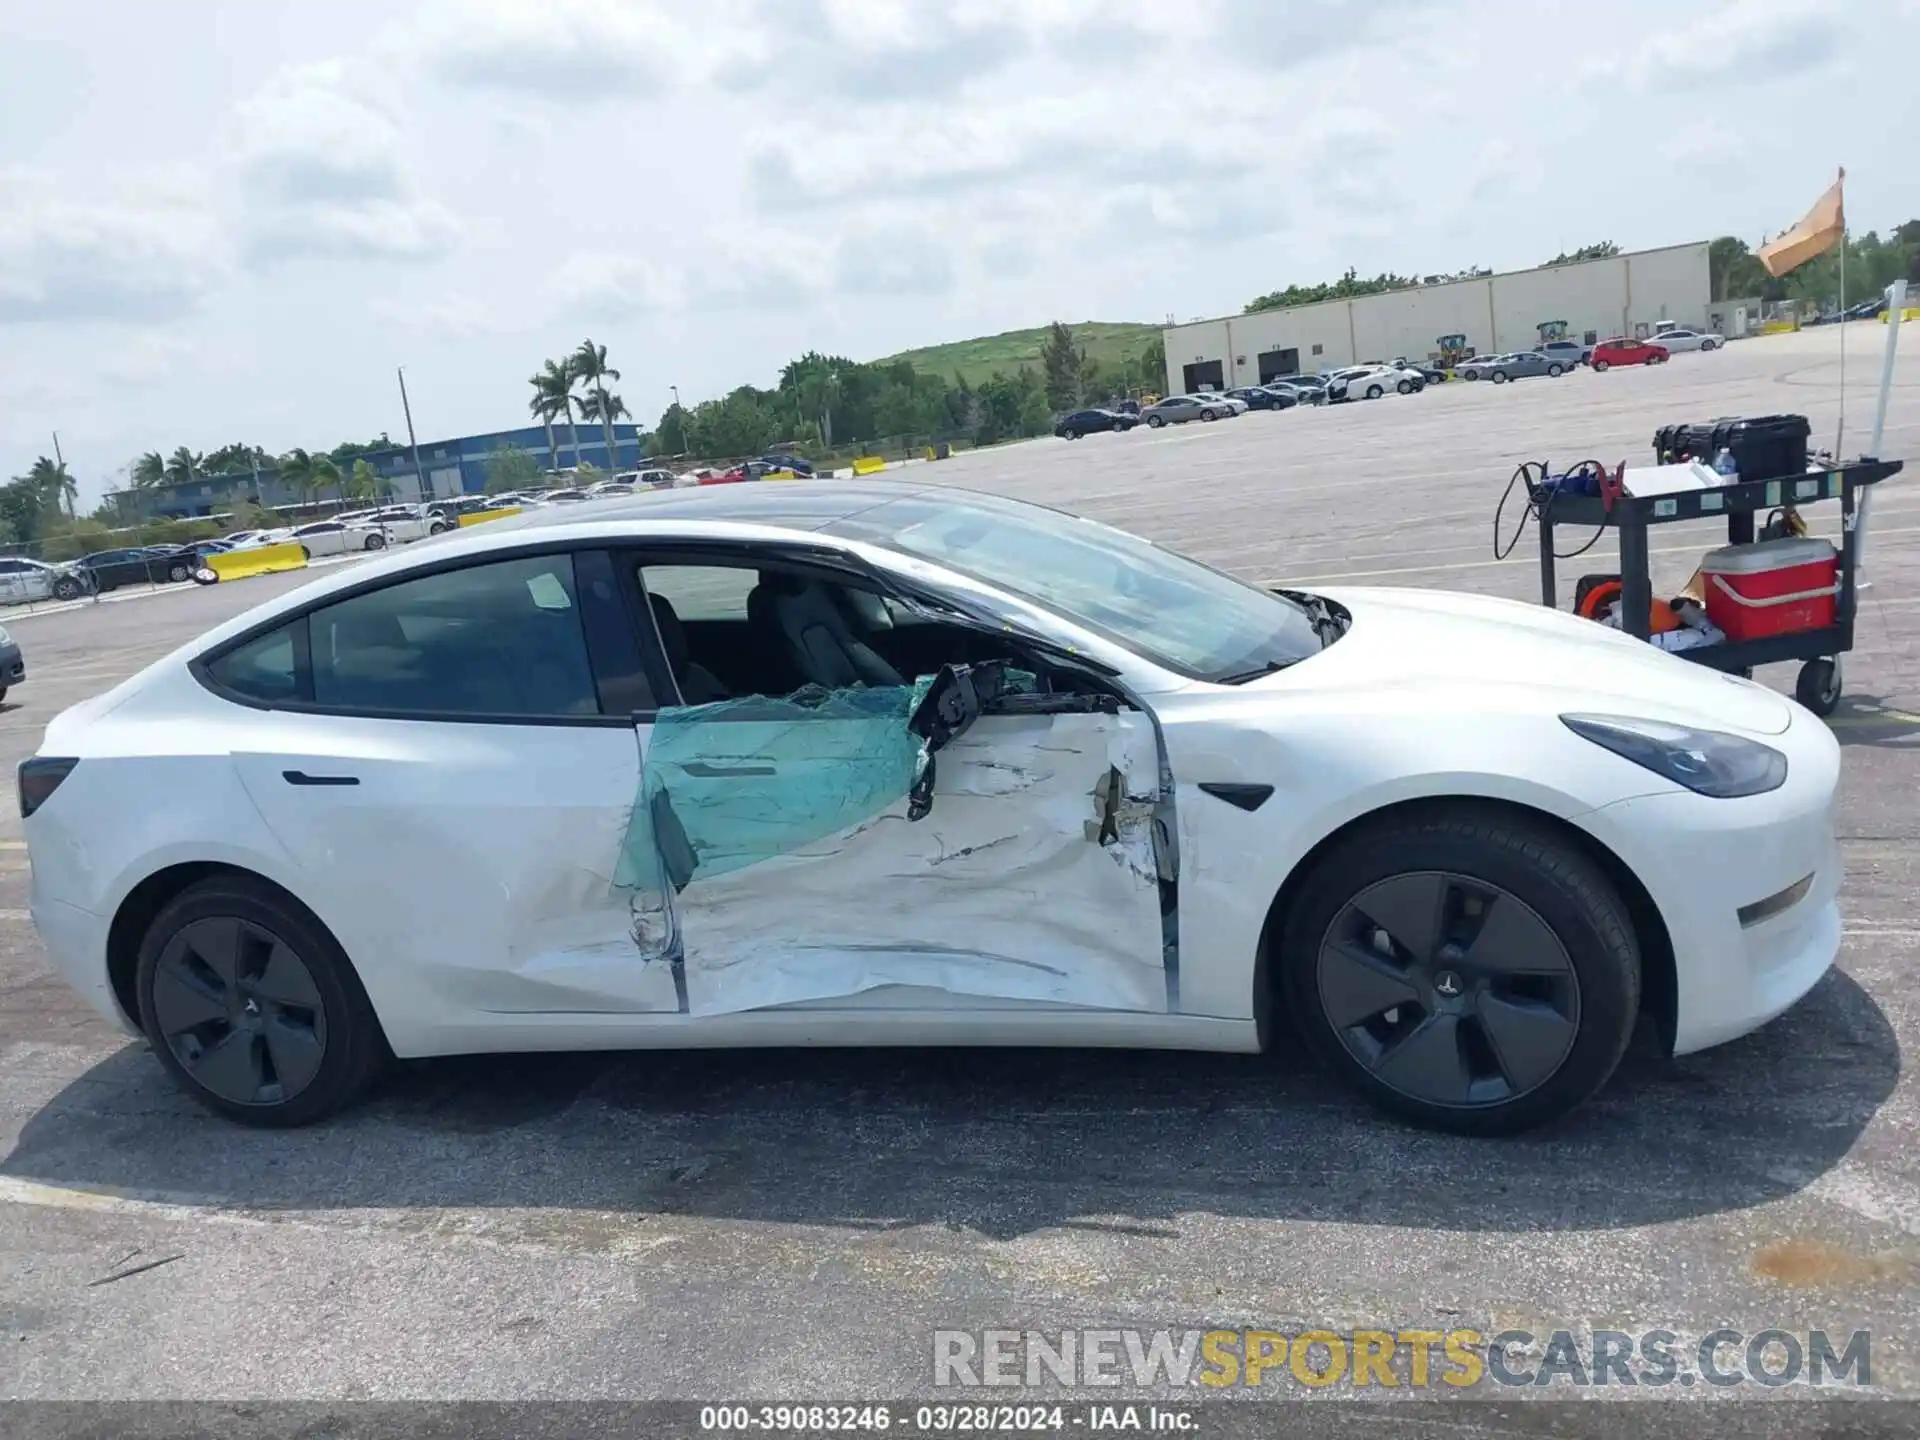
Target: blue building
(448,467)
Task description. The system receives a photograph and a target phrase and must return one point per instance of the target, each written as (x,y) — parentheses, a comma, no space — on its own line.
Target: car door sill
(483,1033)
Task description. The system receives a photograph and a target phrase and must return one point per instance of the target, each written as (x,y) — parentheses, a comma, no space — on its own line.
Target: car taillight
(40,776)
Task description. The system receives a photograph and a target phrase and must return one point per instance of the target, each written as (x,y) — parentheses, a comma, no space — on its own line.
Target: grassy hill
(974,360)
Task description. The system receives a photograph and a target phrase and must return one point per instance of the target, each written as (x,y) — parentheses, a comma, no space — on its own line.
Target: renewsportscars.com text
(1416,1359)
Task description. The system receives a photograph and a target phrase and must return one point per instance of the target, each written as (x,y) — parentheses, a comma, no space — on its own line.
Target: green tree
(22,510)
(671,435)
(149,470)
(605,407)
(181,466)
(234,460)
(364,483)
(348,451)
(1734,271)
(1348,287)
(301,472)
(56,485)
(327,475)
(553,400)
(1604,250)
(588,366)
(511,468)
(1061,363)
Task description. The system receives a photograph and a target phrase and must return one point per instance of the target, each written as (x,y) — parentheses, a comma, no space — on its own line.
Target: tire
(1499,377)
(375,541)
(1405,387)
(1156,421)
(1653,360)
(1599,365)
(1374,392)
(67,588)
(305,554)
(3,692)
(1559,905)
(1208,415)
(1819,684)
(1470,374)
(179,976)
(1706,345)
(439,527)
(179,574)
(1555,371)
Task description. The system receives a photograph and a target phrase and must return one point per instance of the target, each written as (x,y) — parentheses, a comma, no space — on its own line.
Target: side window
(266,668)
(502,640)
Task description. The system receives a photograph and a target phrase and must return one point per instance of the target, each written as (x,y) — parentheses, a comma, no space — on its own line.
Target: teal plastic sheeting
(747,780)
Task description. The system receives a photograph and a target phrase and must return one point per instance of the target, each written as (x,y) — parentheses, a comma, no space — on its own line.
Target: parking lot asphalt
(797,1224)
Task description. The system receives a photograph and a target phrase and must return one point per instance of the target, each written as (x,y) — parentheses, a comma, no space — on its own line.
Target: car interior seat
(813,630)
(698,685)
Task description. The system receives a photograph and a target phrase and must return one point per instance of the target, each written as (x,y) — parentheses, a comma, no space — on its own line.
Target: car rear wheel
(376,541)
(179,573)
(1599,365)
(1405,387)
(1374,392)
(1499,377)
(253,1007)
(1466,969)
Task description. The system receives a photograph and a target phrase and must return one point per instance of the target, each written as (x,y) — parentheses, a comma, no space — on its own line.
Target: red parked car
(1622,351)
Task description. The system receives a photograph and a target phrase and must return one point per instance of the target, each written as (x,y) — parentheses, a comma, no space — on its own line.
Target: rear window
(264,669)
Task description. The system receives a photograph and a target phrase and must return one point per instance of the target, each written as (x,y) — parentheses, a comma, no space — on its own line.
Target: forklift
(1453,351)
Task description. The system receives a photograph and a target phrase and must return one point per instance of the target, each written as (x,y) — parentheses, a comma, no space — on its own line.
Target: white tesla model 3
(842,763)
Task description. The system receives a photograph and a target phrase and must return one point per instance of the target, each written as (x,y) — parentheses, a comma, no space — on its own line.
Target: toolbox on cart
(1764,447)
(1777,587)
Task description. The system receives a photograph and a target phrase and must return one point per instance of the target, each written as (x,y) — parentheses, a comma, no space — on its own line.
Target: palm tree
(363,484)
(54,484)
(149,470)
(297,472)
(181,465)
(605,407)
(327,472)
(588,365)
(553,399)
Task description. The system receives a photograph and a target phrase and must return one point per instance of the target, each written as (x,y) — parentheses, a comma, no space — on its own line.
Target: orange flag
(1818,232)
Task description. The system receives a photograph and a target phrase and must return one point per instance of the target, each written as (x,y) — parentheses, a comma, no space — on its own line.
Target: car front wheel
(1468,969)
(376,541)
(1405,387)
(179,574)
(1156,421)
(1555,370)
(1499,377)
(66,588)
(1206,414)
(253,1007)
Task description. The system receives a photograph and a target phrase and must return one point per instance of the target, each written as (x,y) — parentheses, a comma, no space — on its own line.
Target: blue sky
(231,221)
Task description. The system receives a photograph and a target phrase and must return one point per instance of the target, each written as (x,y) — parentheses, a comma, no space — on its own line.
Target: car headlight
(1707,762)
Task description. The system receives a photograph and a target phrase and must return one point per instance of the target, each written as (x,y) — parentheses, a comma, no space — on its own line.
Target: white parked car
(1678,340)
(403,524)
(1370,382)
(455,800)
(335,537)
(23,579)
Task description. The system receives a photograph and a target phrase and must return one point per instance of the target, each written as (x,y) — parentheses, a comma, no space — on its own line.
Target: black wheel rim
(240,1012)
(1449,990)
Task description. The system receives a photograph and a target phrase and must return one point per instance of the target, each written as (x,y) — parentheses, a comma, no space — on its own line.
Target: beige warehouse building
(1621,295)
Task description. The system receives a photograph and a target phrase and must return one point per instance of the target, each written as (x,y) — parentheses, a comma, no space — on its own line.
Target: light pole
(419,478)
(676,395)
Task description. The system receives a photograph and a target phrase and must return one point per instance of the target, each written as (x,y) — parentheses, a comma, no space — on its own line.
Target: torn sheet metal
(793,872)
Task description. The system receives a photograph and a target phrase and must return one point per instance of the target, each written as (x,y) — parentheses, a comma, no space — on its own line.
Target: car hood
(1510,654)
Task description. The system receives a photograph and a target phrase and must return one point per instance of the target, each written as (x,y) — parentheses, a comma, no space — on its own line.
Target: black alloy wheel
(1466,967)
(179,572)
(1448,989)
(253,1006)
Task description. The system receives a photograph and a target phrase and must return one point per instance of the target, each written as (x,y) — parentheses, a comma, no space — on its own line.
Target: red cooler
(1777,587)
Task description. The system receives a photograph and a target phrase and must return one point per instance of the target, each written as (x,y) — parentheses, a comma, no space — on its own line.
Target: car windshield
(1166,608)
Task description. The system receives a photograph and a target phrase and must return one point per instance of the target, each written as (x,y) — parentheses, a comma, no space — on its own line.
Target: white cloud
(453,317)
(1740,44)
(570,51)
(321,171)
(596,286)
(72,255)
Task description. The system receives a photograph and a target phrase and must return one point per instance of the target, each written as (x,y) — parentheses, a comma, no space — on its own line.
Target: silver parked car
(1503,368)
(1678,340)
(1178,409)
(22,579)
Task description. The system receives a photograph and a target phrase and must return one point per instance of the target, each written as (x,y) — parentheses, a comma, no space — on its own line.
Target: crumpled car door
(947,837)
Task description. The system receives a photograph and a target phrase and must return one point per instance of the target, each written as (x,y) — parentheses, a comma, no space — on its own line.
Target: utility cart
(1632,516)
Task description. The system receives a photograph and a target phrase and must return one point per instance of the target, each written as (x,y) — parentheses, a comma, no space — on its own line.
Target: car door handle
(300,777)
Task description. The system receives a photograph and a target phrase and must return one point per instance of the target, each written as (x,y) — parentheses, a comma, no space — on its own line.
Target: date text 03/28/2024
(941,1419)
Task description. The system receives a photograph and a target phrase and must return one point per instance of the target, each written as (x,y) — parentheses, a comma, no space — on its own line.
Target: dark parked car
(799,464)
(1089,422)
(1260,397)
(143,566)
(13,669)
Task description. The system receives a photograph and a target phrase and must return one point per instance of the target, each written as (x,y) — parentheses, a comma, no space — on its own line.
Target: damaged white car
(844,763)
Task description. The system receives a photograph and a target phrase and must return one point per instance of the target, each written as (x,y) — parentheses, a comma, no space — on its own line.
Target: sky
(233,221)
